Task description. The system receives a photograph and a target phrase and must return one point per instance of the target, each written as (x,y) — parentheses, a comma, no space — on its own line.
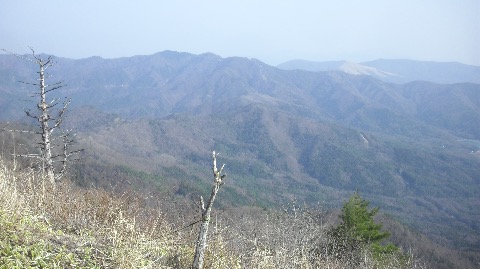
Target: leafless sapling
(201,243)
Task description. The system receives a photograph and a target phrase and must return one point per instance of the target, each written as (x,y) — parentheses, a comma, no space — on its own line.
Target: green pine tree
(357,221)
(358,230)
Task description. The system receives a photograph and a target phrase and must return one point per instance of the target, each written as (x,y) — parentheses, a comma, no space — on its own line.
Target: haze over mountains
(411,148)
(396,71)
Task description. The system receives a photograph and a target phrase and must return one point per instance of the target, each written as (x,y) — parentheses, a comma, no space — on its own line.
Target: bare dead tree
(50,115)
(201,243)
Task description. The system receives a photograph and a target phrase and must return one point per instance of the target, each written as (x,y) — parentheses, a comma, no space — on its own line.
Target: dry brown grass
(115,231)
(72,227)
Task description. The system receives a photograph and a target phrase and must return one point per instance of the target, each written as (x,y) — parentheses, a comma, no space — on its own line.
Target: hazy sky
(272,31)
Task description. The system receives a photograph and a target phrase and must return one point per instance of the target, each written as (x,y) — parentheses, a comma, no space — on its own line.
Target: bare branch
(60,114)
(37,156)
(18,131)
(54,88)
(20,56)
(31,115)
(48,63)
(29,83)
(202,204)
(51,105)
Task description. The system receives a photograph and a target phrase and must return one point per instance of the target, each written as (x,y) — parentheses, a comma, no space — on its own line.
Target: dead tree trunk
(46,130)
(49,119)
(201,243)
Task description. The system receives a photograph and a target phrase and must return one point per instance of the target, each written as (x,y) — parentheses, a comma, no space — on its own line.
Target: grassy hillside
(71,227)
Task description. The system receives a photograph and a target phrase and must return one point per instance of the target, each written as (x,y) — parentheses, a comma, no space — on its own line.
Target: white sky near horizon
(271,31)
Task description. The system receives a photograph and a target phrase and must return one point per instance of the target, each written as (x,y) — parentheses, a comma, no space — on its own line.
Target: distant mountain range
(412,148)
(396,71)
(171,82)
